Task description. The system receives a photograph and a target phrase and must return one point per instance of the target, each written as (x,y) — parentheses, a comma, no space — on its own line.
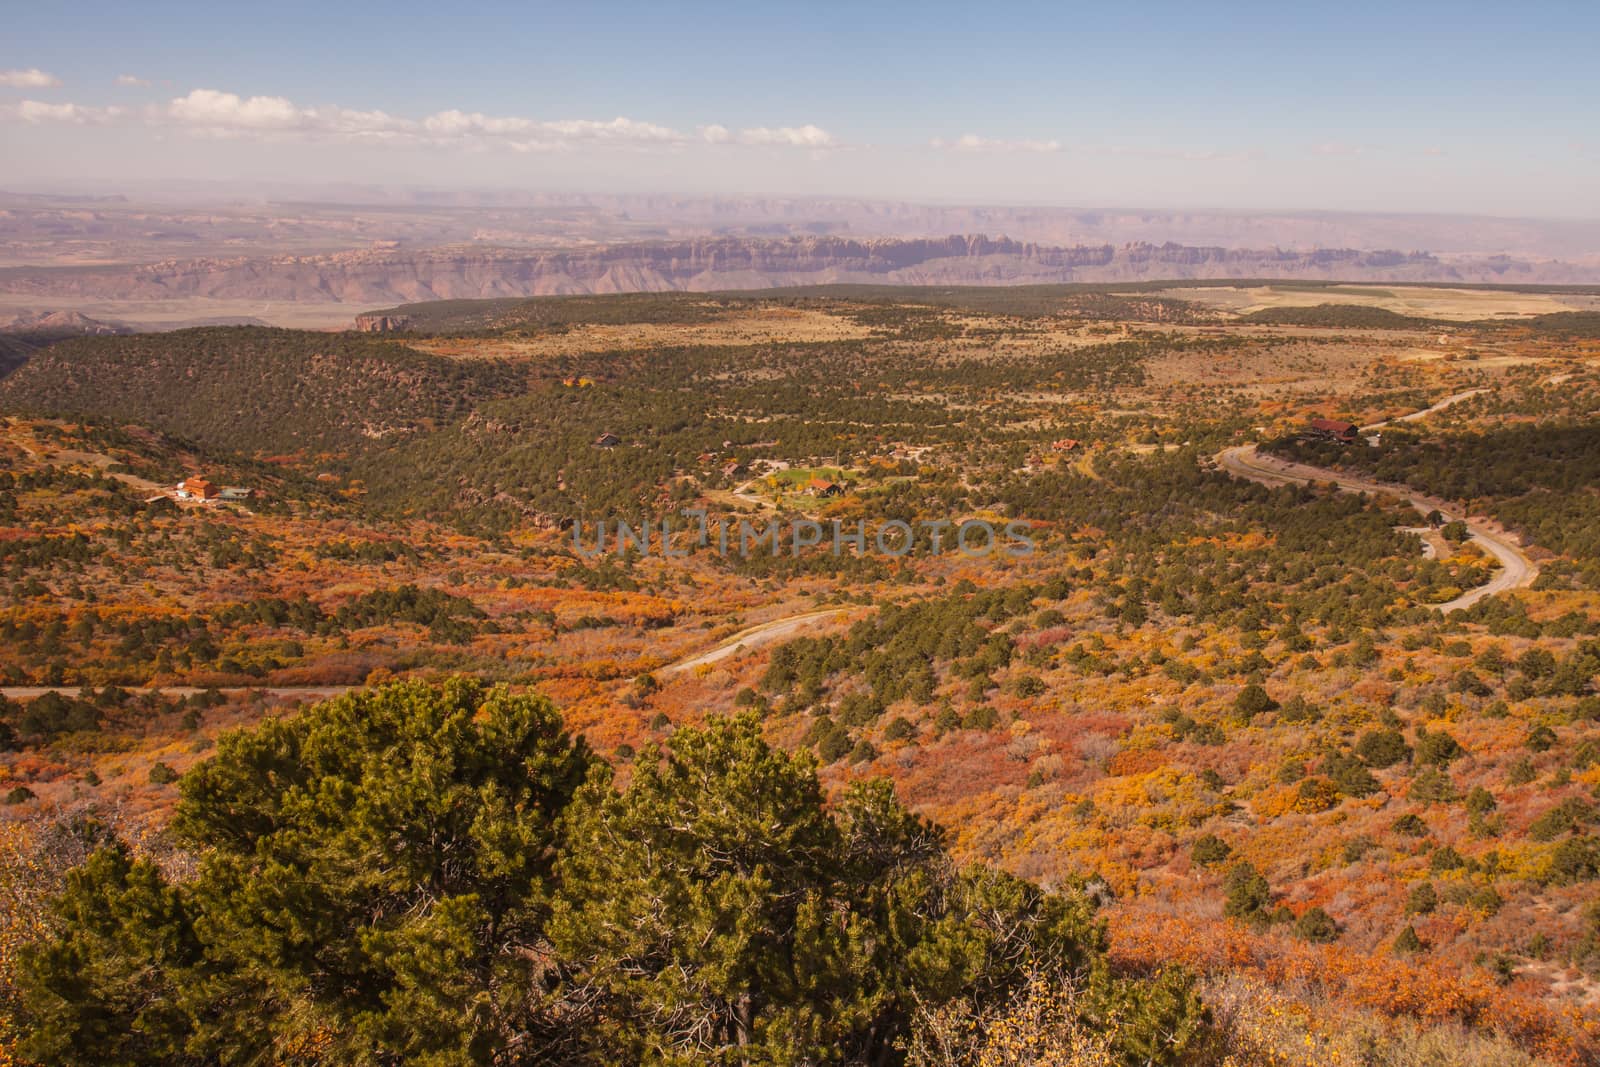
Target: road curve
(1516,569)
(753,637)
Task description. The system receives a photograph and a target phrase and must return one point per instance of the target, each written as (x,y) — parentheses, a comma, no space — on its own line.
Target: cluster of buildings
(204,491)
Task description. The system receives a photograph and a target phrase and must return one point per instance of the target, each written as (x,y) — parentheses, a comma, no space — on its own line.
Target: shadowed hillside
(252,389)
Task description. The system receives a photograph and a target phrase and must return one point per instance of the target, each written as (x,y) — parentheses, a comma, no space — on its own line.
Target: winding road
(1516,569)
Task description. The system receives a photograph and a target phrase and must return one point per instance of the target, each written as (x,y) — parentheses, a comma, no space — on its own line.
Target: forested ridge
(1341,316)
(255,390)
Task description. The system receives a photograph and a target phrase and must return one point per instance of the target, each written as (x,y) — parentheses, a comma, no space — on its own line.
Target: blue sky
(1448,107)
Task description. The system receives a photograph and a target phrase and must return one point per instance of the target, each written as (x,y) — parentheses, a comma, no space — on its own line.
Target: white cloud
(132,81)
(361,125)
(230,115)
(530,135)
(214,113)
(213,110)
(618,129)
(460,124)
(807,136)
(32,78)
(797,136)
(37,111)
(971,142)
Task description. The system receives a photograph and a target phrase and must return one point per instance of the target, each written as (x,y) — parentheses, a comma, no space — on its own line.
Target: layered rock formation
(385,277)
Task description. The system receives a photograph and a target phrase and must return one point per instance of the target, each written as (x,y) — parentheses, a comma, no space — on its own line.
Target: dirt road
(1516,569)
(95,459)
(65,458)
(745,494)
(750,638)
(754,637)
(1425,412)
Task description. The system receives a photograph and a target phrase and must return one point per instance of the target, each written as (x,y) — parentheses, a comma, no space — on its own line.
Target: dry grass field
(1458,305)
(768,325)
(181,312)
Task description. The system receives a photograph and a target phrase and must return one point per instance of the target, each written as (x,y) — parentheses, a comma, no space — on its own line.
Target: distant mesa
(25,333)
(59,324)
(385,278)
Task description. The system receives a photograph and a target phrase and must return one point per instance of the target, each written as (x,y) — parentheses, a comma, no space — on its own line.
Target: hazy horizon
(377,192)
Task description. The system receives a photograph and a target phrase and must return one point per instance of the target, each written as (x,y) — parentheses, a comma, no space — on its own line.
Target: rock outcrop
(381,323)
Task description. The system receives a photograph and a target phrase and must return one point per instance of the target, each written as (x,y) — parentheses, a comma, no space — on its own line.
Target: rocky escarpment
(381,323)
(376,278)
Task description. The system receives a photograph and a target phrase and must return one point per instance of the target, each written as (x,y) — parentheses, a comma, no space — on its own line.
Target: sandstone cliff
(386,277)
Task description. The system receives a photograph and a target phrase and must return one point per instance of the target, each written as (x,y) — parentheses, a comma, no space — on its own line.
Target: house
(823,487)
(734,469)
(1334,430)
(236,494)
(197,489)
(1066,444)
(607,440)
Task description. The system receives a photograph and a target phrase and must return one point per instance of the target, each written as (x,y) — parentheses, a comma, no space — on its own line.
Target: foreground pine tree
(442,875)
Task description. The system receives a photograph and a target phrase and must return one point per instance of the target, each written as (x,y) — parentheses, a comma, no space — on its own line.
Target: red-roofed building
(1334,430)
(823,487)
(198,488)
